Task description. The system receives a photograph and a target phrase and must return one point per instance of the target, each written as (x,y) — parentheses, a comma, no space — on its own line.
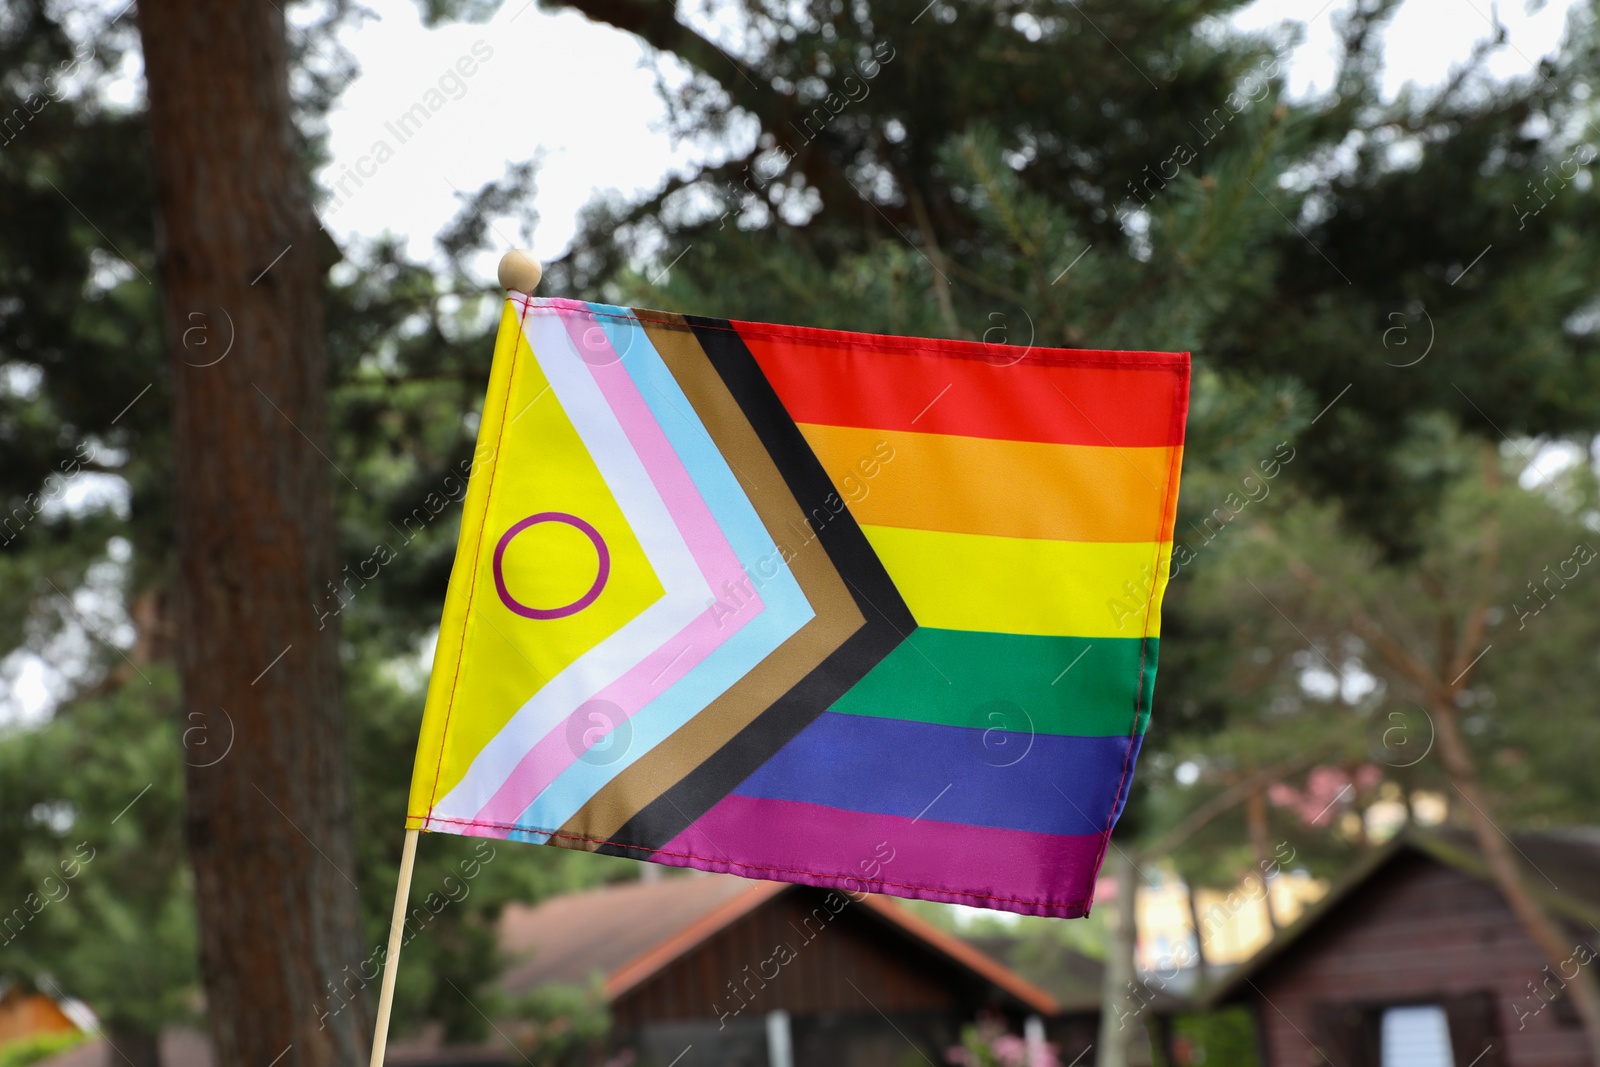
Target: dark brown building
(1415,960)
(714,970)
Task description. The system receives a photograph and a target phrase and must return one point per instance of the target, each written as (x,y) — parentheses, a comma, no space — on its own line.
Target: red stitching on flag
(1088,357)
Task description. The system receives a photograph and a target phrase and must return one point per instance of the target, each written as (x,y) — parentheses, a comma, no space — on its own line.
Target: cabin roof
(623,935)
(600,933)
(1560,867)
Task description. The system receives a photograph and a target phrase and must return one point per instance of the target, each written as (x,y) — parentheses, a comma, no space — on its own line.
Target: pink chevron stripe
(661,669)
(791,841)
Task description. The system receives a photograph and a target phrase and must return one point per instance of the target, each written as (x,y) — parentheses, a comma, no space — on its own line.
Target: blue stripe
(786,608)
(1061,785)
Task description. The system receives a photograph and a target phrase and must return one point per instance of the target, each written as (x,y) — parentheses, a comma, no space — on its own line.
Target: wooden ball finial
(519,271)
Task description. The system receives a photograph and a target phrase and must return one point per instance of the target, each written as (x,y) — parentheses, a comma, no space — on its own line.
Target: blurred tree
(1226,1036)
(269,835)
(93,853)
(88,560)
(565,1025)
(1415,671)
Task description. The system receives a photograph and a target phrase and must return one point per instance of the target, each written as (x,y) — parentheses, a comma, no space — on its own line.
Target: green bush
(22,1052)
(1224,1038)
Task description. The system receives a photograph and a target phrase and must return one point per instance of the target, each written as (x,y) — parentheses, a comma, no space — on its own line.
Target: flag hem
(1057,909)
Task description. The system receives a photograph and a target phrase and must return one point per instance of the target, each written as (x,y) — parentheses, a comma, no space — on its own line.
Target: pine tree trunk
(268,828)
(1256,818)
(1200,961)
(1120,1009)
(133,1046)
(1508,877)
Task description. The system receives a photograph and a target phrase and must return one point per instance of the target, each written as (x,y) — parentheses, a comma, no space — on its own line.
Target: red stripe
(790,841)
(1052,395)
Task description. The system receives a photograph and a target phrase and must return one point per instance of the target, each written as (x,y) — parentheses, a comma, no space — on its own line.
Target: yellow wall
(1234,922)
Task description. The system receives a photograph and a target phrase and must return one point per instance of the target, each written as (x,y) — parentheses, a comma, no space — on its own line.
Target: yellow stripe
(1012,585)
(490,660)
(980,485)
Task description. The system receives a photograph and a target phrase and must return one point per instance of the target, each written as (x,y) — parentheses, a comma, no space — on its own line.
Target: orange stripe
(981,485)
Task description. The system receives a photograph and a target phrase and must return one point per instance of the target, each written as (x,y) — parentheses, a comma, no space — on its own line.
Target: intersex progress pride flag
(870,612)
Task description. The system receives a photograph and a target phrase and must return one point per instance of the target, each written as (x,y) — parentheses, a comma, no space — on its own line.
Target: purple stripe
(1047,784)
(790,841)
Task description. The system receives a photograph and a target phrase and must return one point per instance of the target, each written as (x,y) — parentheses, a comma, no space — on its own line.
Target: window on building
(1415,1036)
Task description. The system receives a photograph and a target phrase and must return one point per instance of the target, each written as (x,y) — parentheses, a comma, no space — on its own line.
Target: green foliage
(1035,941)
(1225,1038)
(30,1050)
(93,867)
(564,1025)
(1040,944)
(1283,590)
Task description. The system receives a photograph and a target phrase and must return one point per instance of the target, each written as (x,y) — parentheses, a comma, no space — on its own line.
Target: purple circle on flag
(604,570)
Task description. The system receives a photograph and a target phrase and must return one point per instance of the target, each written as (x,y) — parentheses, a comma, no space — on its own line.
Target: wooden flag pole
(520,273)
(391,960)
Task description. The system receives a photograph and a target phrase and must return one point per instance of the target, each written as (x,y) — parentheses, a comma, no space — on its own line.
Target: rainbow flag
(876,613)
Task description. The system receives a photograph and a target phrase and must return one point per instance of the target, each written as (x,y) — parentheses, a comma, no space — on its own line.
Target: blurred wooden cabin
(1416,960)
(714,970)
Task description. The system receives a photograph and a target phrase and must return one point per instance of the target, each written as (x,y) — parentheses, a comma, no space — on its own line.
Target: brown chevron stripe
(888,620)
(837,616)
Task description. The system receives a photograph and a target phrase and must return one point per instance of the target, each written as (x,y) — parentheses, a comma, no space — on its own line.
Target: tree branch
(1235,794)
(657,25)
(1412,668)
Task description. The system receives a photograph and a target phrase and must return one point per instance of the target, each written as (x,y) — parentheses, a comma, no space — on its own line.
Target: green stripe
(1011,682)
